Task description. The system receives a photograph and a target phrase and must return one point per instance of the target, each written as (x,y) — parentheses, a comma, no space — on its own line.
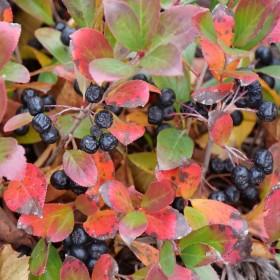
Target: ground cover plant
(139,139)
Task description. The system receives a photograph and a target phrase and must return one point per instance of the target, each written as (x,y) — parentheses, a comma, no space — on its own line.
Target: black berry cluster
(36,105)
(191,107)
(163,110)
(66,32)
(81,246)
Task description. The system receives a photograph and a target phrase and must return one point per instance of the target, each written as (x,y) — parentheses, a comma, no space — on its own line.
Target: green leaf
(40,9)
(53,267)
(109,70)
(167,258)
(31,137)
(47,77)
(146,161)
(195,218)
(174,147)
(272,70)
(82,11)
(50,39)
(15,72)
(206,272)
(39,258)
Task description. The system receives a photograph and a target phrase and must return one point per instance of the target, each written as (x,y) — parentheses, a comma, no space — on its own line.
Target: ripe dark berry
(76,87)
(217,165)
(79,252)
(240,176)
(90,263)
(59,180)
(94,94)
(141,77)
(50,136)
(22,130)
(114,109)
(162,127)
(65,35)
(167,97)
(89,144)
(108,142)
(95,132)
(263,159)
(267,111)
(242,102)
(27,94)
(67,243)
(232,194)
(78,190)
(48,100)
(79,236)
(155,115)
(228,165)
(254,95)
(268,79)
(168,113)
(60,26)
(218,195)
(41,123)
(188,107)
(103,119)
(35,105)
(264,54)
(237,117)
(21,109)
(256,175)
(179,204)
(97,248)
(250,196)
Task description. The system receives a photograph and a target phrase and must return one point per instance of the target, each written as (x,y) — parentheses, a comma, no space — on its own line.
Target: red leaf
(167,224)
(105,268)
(155,273)
(220,126)
(3,99)
(6,13)
(182,273)
(214,56)
(12,159)
(272,214)
(186,177)
(223,23)
(80,167)
(9,36)
(126,133)
(129,94)
(102,224)
(28,195)
(73,268)
(213,94)
(55,225)
(88,44)
(116,196)
(221,214)
(245,77)
(158,196)
(86,205)
(132,225)
(274,35)
(17,121)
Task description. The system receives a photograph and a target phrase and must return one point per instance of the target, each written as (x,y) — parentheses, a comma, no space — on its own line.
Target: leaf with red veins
(130,94)
(155,273)
(17,121)
(158,196)
(9,37)
(126,133)
(105,268)
(245,77)
(167,224)
(12,159)
(220,126)
(3,99)
(135,196)
(55,225)
(88,44)
(213,94)
(182,273)
(102,224)
(224,24)
(86,205)
(116,196)
(214,56)
(185,177)
(73,268)
(27,196)
(80,167)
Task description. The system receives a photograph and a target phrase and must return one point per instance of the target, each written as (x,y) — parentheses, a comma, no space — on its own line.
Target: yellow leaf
(137,117)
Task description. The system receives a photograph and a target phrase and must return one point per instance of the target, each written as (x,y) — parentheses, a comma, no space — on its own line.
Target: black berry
(218,195)
(108,142)
(228,165)
(268,79)
(22,130)
(240,176)
(155,115)
(254,95)
(27,94)
(35,105)
(264,54)
(97,248)
(256,175)
(95,132)
(79,236)
(237,117)
(162,127)
(79,252)
(21,109)
(94,94)
(48,100)
(89,144)
(65,35)
(103,119)
(114,109)
(41,123)
(50,136)
(90,263)
(141,77)
(78,190)
(168,113)
(250,196)
(60,26)
(59,180)
(217,165)
(179,204)
(232,194)
(267,111)
(67,243)
(263,159)
(167,97)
